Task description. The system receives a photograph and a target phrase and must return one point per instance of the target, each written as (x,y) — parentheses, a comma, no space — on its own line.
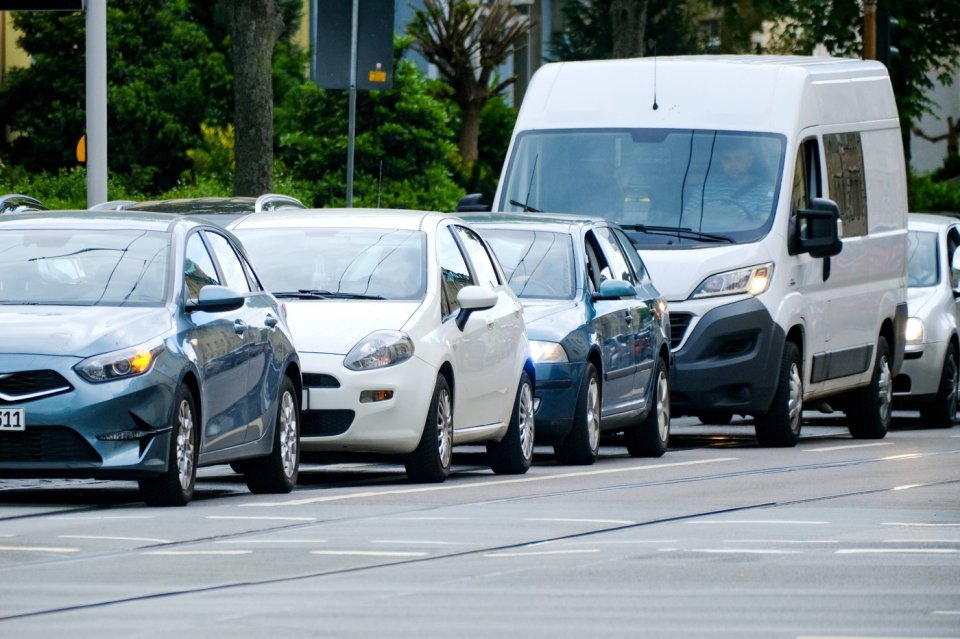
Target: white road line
(952,613)
(484,484)
(746,551)
(262,518)
(102,517)
(196,552)
(582,521)
(786,522)
(55,549)
(921,541)
(431,518)
(781,541)
(6,535)
(368,553)
(271,541)
(917,524)
(903,456)
(628,542)
(411,542)
(108,538)
(866,637)
(909,486)
(534,553)
(890,551)
(823,449)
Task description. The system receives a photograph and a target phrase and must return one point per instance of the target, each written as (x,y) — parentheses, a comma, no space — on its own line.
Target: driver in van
(740,194)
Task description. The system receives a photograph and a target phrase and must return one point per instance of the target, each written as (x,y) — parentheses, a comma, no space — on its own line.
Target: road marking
(746,551)
(56,549)
(271,541)
(369,553)
(889,551)
(865,637)
(431,518)
(6,535)
(534,553)
(107,538)
(79,518)
(904,456)
(918,524)
(946,612)
(787,522)
(583,521)
(823,449)
(404,542)
(909,486)
(921,541)
(484,484)
(262,518)
(627,542)
(781,541)
(196,552)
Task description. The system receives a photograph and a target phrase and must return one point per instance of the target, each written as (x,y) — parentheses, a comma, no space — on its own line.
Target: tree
(467,41)
(628,21)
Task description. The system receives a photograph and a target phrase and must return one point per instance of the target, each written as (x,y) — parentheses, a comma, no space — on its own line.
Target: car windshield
(668,188)
(118,267)
(538,264)
(922,259)
(327,263)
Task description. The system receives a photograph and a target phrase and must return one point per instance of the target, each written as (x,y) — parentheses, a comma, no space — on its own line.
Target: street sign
(334,28)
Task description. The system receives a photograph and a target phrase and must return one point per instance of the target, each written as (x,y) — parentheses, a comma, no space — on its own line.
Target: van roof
(732,92)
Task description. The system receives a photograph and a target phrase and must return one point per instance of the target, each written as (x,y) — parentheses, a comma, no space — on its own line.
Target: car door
(613,323)
(258,321)
(217,341)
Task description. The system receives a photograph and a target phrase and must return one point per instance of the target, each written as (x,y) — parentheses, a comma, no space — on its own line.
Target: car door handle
(239,326)
(271,321)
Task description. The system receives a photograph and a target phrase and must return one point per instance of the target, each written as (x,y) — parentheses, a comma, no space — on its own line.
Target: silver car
(929,378)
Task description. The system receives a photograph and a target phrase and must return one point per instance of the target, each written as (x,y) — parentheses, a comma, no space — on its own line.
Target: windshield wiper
(317,294)
(526,207)
(679,231)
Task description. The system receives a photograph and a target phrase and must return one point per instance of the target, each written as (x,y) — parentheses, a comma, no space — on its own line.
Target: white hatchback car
(410,340)
(929,378)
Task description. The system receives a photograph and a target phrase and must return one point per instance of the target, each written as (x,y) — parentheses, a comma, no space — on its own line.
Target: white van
(768,197)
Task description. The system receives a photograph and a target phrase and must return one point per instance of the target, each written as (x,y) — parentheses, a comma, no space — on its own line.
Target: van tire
(651,436)
(941,411)
(582,444)
(780,426)
(870,408)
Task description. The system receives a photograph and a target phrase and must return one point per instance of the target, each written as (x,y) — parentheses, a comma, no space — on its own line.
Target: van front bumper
(730,362)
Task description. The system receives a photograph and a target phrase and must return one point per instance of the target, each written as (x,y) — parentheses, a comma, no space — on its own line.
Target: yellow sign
(377,76)
(82,149)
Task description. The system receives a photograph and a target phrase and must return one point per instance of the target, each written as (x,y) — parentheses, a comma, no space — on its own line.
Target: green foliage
(930,195)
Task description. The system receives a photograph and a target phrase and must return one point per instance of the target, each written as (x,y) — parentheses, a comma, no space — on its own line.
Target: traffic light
(887,37)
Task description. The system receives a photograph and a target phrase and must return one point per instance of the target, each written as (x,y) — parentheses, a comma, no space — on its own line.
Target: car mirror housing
(615,290)
(216,299)
(815,229)
(474,298)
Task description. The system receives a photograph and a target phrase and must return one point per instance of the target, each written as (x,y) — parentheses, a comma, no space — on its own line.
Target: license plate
(13,419)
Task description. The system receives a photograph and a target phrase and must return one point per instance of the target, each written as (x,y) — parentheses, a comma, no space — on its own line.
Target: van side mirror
(472,203)
(815,229)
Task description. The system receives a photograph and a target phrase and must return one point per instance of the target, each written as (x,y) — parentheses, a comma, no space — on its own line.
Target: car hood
(79,331)
(551,320)
(918,298)
(334,326)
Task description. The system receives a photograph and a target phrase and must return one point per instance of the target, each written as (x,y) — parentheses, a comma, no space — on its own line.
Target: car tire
(941,412)
(582,444)
(780,426)
(870,408)
(278,471)
(430,461)
(716,417)
(651,436)
(176,485)
(513,454)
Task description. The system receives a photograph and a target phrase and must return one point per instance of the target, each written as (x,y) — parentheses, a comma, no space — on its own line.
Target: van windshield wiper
(526,207)
(679,231)
(318,294)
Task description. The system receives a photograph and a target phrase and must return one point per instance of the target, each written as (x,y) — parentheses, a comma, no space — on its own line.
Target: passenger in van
(738,190)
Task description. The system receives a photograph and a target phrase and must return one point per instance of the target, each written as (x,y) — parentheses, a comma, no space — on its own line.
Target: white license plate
(13,419)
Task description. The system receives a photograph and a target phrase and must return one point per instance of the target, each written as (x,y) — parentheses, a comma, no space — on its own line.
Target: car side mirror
(615,290)
(474,298)
(815,229)
(214,298)
(472,203)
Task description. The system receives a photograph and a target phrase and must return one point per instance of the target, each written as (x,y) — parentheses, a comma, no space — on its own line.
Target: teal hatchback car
(599,331)
(141,348)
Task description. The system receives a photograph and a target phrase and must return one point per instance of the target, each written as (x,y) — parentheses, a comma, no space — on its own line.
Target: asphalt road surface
(836,538)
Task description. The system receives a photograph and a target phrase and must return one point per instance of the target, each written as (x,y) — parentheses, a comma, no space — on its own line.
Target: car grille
(47,444)
(679,323)
(320,380)
(26,385)
(323,423)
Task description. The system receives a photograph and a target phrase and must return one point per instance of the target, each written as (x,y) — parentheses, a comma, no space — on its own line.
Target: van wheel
(650,437)
(512,454)
(582,445)
(430,461)
(870,407)
(175,486)
(941,412)
(780,426)
(278,471)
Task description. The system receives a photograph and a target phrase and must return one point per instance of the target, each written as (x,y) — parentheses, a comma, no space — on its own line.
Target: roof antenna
(655,105)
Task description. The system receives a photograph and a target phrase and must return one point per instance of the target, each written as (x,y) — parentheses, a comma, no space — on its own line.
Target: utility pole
(869,29)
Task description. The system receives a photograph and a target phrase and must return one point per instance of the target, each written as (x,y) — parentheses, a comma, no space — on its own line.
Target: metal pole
(352,127)
(869,29)
(96,79)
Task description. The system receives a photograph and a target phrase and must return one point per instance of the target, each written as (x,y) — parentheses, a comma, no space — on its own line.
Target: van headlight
(379,349)
(122,364)
(752,280)
(914,330)
(547,352)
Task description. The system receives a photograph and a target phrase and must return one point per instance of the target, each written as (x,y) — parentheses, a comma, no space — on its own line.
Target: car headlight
(547,352)
(379,349)
(753,280)
(121,364)
(914,330)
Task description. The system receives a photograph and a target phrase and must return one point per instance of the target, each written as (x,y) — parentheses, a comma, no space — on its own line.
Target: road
(719,538)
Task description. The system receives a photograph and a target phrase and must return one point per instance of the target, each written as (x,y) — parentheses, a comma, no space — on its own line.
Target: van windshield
(667,187)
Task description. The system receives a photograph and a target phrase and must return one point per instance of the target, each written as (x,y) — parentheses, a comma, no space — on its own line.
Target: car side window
(454,273)
(631,252)
(953,242)
(618,267)
(596,266)
(482,264)
(230,265)
(198,269)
